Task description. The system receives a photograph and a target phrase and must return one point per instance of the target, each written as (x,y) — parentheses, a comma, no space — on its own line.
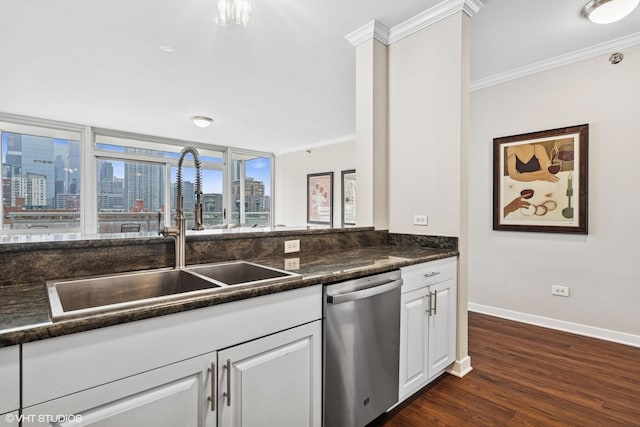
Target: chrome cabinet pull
(431,274)
(212,369)
(228,392)
(428,310)
(435,302)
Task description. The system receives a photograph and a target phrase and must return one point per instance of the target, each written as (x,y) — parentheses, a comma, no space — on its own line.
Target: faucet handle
(197,225)
(169,231)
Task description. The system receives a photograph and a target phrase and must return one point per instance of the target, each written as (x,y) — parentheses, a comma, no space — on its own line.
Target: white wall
(425,128)
(514,271)
(291,171)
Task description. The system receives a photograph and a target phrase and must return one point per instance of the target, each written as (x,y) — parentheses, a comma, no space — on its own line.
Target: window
(130,178)
(41,178)
(212,200)
(251,179)
(137,182)
(129,194)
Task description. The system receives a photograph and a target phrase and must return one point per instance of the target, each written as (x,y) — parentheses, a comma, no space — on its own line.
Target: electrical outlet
(292,263)
(291,246)
(420,220)
(562,291)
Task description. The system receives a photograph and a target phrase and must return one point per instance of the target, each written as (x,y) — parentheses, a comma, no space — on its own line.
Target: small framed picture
(540,181)
(320,198)
(349,197)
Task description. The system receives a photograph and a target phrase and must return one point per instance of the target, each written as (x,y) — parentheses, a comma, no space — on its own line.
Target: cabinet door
(9,420)
(274,381)
(413,342)
(9,379)
(174,395)
(442,327)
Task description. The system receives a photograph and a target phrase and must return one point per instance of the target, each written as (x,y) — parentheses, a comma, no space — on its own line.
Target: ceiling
(286,83)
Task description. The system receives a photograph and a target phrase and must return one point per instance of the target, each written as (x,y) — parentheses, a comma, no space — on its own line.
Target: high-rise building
(142,181)
(14,150)
(37,190)
(18,190)
(106,171)
(254,199)
(38,159)
(110,189)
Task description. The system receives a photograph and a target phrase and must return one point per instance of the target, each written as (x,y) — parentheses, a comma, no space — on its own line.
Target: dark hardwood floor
(524,375)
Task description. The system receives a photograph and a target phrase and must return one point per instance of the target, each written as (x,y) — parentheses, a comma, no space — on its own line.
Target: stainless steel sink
(81,297)
(72,298)
(241,273)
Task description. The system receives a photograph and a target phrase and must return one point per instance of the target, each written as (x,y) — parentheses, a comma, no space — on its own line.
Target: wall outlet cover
(420,220)
(562,291)
(291,246)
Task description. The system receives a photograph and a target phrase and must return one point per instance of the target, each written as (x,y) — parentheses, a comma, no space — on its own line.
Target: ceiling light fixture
(608,11)
(228,12)
(202,121)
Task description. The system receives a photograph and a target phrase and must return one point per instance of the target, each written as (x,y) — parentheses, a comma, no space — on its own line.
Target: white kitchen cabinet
(174,395)
(10,419)
(10,380)
(273,381)
(427,323)
(157,371)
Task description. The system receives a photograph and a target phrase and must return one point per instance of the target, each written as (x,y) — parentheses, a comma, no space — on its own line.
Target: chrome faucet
(179,231)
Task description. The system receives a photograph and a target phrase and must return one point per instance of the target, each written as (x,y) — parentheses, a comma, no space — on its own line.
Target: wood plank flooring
(525,375)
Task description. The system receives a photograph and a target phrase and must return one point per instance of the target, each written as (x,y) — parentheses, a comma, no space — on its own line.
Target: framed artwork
(349,197)
(320,198)
(540,181)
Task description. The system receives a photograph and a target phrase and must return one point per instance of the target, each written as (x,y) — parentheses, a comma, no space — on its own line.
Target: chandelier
(228,12)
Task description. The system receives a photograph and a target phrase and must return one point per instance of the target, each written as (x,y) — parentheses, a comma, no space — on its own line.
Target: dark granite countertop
(24,309)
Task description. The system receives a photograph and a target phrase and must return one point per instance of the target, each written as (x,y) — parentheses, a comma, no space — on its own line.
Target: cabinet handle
(431,274)
(428,310)
(212,369)
(435,302)
(228,393)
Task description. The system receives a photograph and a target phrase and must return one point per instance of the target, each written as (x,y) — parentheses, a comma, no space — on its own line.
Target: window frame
(90,154)
(48,129)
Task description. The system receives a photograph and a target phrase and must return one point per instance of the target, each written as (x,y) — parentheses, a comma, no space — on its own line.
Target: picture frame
(348,197)
(540,181)
(320,198)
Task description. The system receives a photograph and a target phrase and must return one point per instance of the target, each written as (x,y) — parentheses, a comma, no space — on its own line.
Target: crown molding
(431,16)
(442,10)
(471,7)
(373,29)
(558,61)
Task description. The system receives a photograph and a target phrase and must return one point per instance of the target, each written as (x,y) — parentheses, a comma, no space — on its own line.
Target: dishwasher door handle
(365,293)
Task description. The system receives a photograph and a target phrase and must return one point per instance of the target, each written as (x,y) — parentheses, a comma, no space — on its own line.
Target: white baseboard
(460,368)
(561,325)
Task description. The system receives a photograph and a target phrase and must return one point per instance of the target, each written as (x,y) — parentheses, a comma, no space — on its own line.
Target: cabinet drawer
(428,273)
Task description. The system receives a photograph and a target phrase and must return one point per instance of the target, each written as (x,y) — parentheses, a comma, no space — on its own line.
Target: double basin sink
(73,298)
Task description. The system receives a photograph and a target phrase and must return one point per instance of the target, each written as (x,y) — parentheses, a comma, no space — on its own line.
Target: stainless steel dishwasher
(361,337)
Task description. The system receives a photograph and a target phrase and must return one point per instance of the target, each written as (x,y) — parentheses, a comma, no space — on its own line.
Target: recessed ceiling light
(608,11)
(167,48)
(202,121)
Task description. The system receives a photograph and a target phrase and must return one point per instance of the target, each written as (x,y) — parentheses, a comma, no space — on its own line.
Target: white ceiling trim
(373,29)
(378,31)
(431,16)
(558,61)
